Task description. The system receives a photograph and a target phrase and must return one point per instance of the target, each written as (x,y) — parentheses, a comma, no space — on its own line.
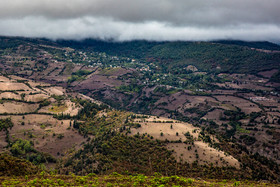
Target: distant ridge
(257,44)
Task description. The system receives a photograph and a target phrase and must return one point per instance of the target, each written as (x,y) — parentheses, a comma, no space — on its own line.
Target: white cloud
(145,19)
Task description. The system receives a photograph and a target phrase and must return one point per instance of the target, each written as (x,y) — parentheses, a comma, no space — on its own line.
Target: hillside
(199,116)
(40,115)
(45,136)
(221,56)
(49,132)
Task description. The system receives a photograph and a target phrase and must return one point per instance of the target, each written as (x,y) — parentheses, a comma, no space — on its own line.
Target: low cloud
(152,20)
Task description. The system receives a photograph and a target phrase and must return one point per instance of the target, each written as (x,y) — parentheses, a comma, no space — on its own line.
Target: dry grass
(55,90)
(3,79)
(36,98)
(155,129)
(9,95)
(16,107)
(4,86)
(45,132)
(172,130)
(206,154)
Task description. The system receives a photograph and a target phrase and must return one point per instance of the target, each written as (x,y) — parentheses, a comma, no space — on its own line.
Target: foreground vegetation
(116,179)
(19,172)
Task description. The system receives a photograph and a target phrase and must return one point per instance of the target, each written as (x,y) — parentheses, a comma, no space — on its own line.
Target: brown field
(34,84)
(206,154)
(99,81)
(17,77)
(245,105)
(201,150)
(32,95)
(215,116)
(269,73)
(4,86)
(270,103)
(183,101)
(273,84)
(45,131)
(89,98)
(3,79)
(224,92)
(16,107)
(10,95)
(243,86)
(36,97)
(155,129)
(274,113)
(55,90)
(113,71)
(196,100)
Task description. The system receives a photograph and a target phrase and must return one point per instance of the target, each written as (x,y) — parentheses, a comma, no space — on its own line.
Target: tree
(5,125)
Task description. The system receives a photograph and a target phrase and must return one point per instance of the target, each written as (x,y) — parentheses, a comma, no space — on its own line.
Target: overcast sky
(142,19)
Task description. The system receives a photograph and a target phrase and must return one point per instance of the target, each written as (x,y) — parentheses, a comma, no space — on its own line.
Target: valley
(168,107)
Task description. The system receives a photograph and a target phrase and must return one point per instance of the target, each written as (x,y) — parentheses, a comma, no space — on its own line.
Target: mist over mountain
(124,20)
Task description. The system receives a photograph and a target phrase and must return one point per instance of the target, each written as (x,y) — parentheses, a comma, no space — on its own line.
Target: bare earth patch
(215,116)
(48,134)
(3,79)
(269,73)
(202,153)
(169,130)
(16,107)
(9,95)
(245,105)
(55,90)
(36,97)
(4,86)
(175,131)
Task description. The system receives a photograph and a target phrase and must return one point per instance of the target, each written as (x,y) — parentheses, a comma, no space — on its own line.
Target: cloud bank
(146,19)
